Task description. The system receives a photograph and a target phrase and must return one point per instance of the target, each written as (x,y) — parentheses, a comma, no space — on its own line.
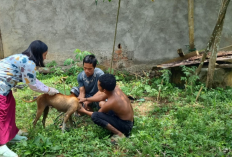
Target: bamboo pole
(191,24)
(115,34)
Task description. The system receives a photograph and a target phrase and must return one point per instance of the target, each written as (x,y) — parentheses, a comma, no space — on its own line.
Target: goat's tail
(31,100)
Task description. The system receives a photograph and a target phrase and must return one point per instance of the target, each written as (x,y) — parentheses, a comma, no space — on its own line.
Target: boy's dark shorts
(103,119)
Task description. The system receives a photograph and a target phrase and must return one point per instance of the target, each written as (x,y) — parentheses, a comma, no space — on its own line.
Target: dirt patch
(143,107)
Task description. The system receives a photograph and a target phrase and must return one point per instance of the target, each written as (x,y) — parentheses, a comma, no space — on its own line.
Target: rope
(115,37)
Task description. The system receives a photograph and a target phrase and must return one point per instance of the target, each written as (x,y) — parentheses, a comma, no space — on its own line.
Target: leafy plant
(79,57)
(109,71)
(81,54)
(74,70)
(69,61)
(190,77)
(165,80)
(166,75)
(51,64)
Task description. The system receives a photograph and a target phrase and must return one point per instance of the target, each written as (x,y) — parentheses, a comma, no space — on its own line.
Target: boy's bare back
(120,104)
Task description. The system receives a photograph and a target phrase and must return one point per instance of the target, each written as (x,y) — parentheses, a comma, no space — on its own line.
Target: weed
(81,54)
(190,78)
(51,64)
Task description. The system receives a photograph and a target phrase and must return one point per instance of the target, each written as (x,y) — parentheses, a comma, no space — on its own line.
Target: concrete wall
(150,32)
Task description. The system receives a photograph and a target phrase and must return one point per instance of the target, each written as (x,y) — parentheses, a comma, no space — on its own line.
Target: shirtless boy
(116,114)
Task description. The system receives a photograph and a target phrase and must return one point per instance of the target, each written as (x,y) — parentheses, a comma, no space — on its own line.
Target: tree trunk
(215,49)
(191,25)
(213,58)
(211,41)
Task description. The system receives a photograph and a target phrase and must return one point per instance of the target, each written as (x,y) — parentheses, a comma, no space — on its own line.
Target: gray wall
(150,32)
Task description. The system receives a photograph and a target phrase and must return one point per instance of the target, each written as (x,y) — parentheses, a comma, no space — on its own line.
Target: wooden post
(191,24)
(1,47)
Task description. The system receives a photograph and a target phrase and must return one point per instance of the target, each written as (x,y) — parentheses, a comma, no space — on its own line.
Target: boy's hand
(81,110)
(82,99)
(86,103)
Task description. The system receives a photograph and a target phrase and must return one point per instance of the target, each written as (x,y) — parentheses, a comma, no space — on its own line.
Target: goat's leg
(45,114)
(71,121)
(40,109)
(66,117)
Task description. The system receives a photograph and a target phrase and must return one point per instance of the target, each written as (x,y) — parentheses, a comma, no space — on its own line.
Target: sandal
(115,138)
(6,152)
(18,138)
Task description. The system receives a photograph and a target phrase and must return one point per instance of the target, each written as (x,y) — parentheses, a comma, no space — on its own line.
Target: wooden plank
(1,47)
(169,65)
(223,66)
(186,56)
(224,53)
(220,54)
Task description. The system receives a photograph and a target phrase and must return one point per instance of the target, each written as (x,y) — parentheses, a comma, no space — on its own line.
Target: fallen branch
(199,93)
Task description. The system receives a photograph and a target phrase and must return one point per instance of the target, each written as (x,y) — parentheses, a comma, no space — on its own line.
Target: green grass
(176,126)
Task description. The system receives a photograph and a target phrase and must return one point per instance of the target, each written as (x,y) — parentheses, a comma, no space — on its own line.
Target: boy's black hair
(90,59)
(35,52)
(107,82)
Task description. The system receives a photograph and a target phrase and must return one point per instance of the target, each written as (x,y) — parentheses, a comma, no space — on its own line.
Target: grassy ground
(176,125)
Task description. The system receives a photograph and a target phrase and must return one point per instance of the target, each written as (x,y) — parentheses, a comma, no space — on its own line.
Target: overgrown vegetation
(176,125)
